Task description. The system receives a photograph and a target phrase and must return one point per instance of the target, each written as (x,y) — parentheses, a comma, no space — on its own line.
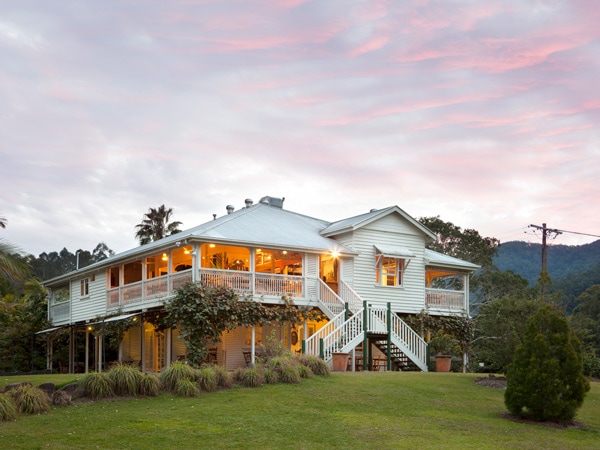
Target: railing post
(347,311)
(389,333)
(365,337)
(321,349)
(303,346)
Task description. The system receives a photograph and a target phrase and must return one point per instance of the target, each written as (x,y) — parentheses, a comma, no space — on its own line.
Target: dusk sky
(485,113)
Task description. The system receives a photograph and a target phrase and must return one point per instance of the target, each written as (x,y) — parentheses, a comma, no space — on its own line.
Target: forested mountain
(572,269)
(563,260)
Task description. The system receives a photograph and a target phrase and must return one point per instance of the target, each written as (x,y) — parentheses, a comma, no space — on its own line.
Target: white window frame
(84,287)
(398,275)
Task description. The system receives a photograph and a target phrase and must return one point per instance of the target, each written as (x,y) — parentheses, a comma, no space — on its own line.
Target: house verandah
(265,265)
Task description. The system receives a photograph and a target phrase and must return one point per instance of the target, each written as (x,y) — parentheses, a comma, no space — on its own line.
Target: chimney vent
(273,201)
(248,202)
(230,209)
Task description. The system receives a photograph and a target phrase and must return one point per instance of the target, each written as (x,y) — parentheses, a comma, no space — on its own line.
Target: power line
(577,232)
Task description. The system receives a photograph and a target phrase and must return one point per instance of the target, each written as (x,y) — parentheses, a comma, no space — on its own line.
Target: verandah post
(389,336)
(365,338)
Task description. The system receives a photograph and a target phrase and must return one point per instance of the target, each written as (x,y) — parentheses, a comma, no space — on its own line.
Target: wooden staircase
(400,362)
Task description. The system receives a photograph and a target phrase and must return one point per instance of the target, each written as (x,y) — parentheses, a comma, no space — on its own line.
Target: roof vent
(273,201)
(248,202)
(230,209)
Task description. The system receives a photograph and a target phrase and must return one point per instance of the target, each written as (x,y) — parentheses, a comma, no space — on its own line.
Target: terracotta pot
(442,363)
(340,361)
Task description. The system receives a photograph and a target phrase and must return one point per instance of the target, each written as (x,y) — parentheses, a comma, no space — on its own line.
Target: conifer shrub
(176,372)
(8,408)
(125,379)
(545,380)
(186,388)
(30,400)
(97,385)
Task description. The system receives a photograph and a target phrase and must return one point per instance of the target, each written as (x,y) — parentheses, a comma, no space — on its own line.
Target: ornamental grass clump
(304,371)
(224,378)
(249,376)
(8,409)
(186,388)
(176,372)
(149,385)
(30,400)
(207,379)
(125,379)
(271,376)
(286,368)
(97,385)
(316,364)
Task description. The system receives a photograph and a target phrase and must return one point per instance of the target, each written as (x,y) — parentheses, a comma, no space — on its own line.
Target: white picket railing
(355,301)
(445,299)
(312,344)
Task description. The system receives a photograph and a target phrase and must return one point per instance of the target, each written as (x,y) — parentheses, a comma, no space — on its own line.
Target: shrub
(30,400)
(97,385)
(304,371)
(224,378)
(207,379)
(289,373)
(271,376)
(591,365)
(8,409)
(61,398)
(149,385)
(172,375)
(545,380)
(125,379)
(186,388)
(251,377)
(316,364)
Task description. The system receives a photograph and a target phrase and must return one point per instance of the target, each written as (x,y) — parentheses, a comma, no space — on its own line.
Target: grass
(381,410)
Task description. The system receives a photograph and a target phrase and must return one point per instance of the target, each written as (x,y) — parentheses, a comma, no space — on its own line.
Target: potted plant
(340,361)
(443,346)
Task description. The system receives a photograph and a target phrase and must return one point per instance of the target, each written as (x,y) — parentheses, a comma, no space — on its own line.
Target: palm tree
(11,266)
(155,225)
(2,222)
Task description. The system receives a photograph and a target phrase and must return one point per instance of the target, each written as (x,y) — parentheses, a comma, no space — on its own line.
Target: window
(389,270)
(85,287)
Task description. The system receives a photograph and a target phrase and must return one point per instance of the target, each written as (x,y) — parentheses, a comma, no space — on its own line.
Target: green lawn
(352,410)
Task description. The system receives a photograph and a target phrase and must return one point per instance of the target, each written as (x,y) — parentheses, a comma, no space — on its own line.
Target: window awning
(394,252)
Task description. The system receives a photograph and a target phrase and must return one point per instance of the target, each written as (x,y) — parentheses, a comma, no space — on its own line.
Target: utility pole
(552,232)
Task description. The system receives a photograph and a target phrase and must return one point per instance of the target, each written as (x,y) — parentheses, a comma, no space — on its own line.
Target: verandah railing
(445,299)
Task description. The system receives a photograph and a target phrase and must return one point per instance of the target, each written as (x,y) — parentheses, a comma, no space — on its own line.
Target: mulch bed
(497,382)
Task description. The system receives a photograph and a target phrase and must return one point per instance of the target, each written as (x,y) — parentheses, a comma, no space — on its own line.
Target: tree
(545,380)
(11,266)
(586,318)
(500,326)
(466,244)
(2,222)
(155,225)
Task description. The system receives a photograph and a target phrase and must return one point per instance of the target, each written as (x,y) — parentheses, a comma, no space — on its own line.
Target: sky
(485,113)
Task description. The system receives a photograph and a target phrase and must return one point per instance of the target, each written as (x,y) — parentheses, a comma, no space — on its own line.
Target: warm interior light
(89,328)
(134,319)
(285,252)
(335,253)
(212,245)
(165,257)
(186,250)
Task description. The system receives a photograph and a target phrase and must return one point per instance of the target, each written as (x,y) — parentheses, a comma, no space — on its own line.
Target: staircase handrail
(329,299)
(343,338)
(312,344)
(349,295)
(409,341)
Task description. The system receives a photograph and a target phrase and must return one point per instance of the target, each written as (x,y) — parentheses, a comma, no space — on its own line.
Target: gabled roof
(439,259)
(356,222)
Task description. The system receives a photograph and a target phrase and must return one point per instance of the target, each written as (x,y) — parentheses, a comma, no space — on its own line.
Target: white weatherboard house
(364,273)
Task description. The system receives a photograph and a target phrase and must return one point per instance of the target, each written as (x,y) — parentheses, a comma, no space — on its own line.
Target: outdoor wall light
(165,257)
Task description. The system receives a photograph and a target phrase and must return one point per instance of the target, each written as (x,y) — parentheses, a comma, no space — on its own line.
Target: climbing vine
(203,313)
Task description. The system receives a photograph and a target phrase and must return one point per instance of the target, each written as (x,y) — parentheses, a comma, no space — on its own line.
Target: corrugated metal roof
(435,258)
(257,225)
(397,252)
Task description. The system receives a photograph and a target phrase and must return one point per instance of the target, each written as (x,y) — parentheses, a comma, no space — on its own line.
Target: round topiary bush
(545,380)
